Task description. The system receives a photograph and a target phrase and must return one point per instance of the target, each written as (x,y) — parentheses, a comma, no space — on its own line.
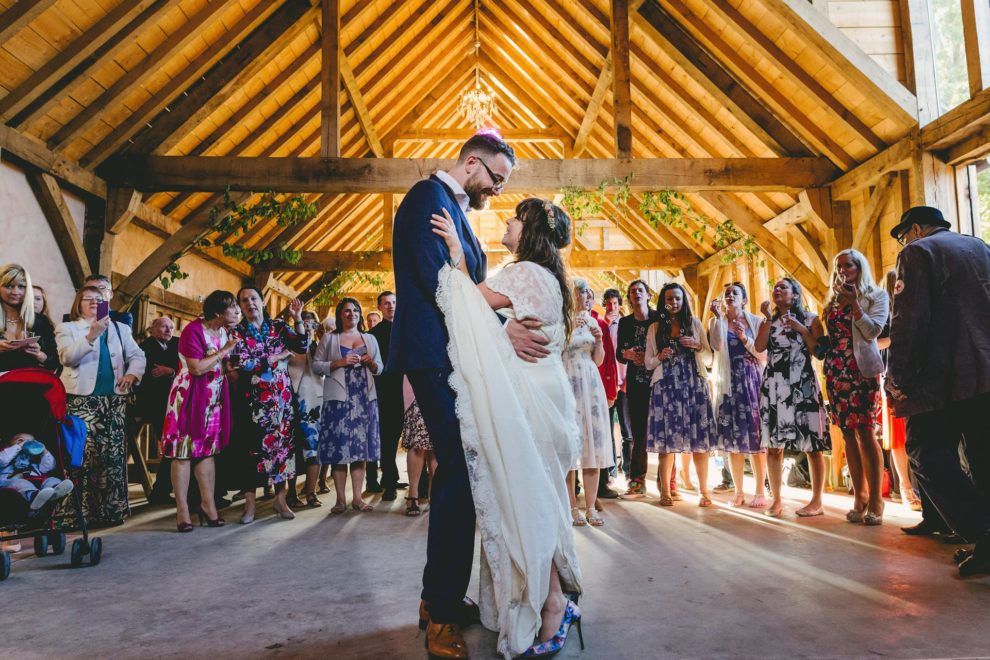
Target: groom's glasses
(498,182)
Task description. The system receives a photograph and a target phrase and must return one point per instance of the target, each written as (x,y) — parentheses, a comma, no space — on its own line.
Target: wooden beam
(360,107)
(313,290)
(122,205)
(894,157)
(778,224)
(865,74)
(388,218)
(397,175)
(218,84)
(621,80)
(594,107)
(552,134)
(635,259)
(63,227)
(31,151)
(154,221)
(975,147)
(435,90)
(957,124)
(77,52)
(16,17)
(976,35)
(330,79)
(874,209)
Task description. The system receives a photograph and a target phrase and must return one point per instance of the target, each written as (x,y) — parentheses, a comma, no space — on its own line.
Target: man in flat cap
(939,371)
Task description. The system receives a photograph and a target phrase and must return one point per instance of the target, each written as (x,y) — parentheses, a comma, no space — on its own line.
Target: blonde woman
(19,322)
(855,315)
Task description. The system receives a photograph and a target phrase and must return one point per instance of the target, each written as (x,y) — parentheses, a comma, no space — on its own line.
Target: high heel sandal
(872,519)
(665,500)
(184,527)
(203,520)
(554,645)
(855,516)
(412,506)
(312,501)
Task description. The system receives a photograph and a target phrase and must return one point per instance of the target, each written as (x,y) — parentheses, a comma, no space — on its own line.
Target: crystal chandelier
(477,105)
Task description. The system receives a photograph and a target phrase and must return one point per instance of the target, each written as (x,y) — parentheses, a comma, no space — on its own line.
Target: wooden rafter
(16,17)
(976,36)
(330,79)
(594,107)
(360,108)
(122,206)
(621,79)
(874,209)
(33,152)
(67,236)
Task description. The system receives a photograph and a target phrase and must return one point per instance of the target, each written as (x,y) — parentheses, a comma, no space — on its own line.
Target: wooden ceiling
(735,79)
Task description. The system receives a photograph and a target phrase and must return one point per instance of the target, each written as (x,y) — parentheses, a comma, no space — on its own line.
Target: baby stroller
(33,401)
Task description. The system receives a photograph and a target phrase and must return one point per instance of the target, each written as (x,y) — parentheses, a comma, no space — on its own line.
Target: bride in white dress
(518,426)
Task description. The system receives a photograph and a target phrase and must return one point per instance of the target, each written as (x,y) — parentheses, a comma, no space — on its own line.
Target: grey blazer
(334,385)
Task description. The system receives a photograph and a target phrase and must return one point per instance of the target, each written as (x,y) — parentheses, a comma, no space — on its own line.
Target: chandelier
(477,105)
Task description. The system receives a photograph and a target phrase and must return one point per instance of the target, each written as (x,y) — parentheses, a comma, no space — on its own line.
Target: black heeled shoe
(203,520)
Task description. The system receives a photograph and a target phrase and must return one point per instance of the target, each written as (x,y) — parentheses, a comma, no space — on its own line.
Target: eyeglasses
(498,181)
(902,239)
(92,300)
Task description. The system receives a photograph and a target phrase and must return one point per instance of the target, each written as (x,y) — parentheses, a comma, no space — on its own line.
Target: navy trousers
(450,543)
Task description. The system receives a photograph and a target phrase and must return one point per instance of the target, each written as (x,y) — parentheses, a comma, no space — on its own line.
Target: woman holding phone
(27,338)
(855,316)
(101,365)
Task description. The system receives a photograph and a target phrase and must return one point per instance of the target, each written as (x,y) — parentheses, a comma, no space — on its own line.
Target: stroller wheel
(58,543)
(95,551)
(76,553)
(41,545)
(4,566)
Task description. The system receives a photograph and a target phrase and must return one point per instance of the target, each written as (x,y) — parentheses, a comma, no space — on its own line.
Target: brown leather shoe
(470,615)
(444,640)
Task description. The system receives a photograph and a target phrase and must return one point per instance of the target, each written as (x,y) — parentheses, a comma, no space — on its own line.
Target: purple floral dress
(681,418)
(738,414)
(263,430)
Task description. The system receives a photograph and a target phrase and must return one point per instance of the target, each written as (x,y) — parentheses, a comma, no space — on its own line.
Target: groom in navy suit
(419,350)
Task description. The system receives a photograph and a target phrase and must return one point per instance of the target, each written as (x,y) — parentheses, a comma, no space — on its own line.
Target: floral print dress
(854,399)
(175,443)
(263,425)
(738,414)
(791,405)
(681,418)
(589,393)
(349,430)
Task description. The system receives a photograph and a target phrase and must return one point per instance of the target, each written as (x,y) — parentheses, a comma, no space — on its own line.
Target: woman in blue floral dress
(736,376)
(262,442)
(681,418)
(349,358)
(307,385)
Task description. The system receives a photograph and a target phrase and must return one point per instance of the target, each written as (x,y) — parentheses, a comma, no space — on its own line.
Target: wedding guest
(161,350)
(349,358)
(390,408)
(630,350)
(374,318)
(196,425)
(607,374)
(329,324)
(307,385)
(19,321)
(681,419)
(101,365)
(41,301)
(419,448)
(736,376)
(263,448)
(102,282)
(612,302)
(585,352)
(939,371)
(791,409)
(855,315)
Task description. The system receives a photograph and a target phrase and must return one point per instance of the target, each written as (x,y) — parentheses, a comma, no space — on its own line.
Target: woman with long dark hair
(348,358)
(791,407)
(263,401)
(518,426)
(681,419)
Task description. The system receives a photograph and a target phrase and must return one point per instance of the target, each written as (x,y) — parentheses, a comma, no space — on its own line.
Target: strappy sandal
(595,520)
(705,501)
(577,519)
(666,501)
(339,507)
(362,507)
(312,501)
(412,506)
(323,490)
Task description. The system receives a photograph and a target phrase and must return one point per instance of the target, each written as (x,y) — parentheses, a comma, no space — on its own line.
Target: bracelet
(455,264)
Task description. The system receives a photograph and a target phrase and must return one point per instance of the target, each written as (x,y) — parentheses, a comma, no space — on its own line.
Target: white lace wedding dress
(518,427)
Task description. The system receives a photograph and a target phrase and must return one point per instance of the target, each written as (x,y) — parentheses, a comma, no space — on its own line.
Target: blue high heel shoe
(554,645)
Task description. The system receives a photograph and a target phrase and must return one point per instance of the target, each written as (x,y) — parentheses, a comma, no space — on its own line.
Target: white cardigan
(866,329)
(721,367)
(81,358)
(652,358)
(334,385)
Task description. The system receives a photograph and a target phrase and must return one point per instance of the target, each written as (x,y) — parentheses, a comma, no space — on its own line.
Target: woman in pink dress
(197,421)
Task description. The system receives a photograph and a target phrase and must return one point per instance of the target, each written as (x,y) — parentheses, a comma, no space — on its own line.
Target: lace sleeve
(533,290)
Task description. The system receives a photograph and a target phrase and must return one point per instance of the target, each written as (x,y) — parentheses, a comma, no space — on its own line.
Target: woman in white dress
(584,354)
(518,428)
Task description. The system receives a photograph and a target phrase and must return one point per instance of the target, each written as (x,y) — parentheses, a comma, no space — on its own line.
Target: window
(951,81)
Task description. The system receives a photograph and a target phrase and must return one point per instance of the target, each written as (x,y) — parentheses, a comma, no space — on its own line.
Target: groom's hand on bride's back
(529,344)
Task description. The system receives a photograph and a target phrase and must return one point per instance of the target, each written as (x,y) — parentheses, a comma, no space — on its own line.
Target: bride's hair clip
(551,217)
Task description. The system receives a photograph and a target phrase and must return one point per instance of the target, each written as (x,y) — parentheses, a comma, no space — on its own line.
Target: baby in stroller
(24,466)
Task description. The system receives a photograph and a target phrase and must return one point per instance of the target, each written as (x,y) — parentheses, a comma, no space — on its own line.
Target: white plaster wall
(26,239)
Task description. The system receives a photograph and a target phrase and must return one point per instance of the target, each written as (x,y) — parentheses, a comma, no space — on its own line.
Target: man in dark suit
(418,348)
(162,350)
(390,409)
(938,376)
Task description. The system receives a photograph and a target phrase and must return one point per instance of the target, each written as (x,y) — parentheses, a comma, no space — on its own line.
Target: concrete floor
(680,582)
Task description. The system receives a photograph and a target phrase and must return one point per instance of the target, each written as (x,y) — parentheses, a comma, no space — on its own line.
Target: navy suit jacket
(419,336)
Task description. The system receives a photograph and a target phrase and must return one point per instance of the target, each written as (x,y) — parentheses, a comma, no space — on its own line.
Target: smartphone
(102,310)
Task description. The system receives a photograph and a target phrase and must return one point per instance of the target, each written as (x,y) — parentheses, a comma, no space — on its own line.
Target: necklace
(255,333)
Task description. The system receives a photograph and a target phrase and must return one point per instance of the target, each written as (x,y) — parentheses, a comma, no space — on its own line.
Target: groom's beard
(475,191)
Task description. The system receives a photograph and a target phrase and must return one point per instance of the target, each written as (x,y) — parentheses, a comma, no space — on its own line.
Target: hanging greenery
(333,290)
(230,220)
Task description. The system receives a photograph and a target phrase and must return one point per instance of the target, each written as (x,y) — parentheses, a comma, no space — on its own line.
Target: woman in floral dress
(791,407)
(349,358)
(584,352)
(265,451)
(681,419)
(307,385)
(855,316)
(197,419)
(419,448)
(736,376)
